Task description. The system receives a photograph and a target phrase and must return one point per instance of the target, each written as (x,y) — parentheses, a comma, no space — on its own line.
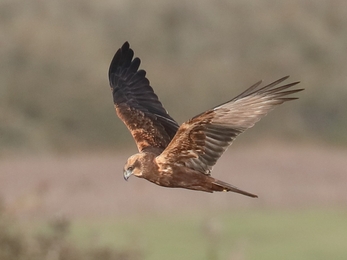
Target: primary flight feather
(183,156)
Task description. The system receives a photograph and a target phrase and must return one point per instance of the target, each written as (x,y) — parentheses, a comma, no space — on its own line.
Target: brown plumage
(183,156)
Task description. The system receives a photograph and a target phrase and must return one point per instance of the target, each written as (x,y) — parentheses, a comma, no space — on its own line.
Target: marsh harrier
(183,156)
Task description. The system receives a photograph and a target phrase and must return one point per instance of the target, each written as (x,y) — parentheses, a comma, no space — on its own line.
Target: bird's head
(133,166)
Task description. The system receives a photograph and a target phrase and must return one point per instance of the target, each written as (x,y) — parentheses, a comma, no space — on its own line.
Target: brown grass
(92,185)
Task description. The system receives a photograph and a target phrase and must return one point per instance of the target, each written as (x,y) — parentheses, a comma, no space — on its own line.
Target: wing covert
(201,141)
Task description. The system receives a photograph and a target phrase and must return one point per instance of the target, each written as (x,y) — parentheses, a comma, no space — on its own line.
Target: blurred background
(62,148)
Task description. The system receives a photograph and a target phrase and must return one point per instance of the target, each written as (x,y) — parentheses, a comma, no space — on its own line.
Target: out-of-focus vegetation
(53,244)
(252,234)
(55,97)
(54,57)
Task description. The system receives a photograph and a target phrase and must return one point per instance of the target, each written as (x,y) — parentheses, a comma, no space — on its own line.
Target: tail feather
(223,186)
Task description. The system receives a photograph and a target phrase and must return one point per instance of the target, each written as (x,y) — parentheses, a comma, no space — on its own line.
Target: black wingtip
(123,55)
(126,45)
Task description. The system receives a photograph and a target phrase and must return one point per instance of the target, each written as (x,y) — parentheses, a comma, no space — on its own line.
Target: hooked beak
(127,174)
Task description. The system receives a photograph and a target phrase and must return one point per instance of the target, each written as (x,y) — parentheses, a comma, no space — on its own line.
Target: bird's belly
(179,180)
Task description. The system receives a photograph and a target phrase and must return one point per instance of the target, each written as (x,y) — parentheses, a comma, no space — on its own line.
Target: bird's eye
(130,169)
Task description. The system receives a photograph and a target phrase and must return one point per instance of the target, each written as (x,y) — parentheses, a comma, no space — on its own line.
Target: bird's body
(177,176)
(183,156)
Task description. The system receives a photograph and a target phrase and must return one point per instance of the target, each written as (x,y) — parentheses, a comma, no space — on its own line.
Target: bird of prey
(177,156)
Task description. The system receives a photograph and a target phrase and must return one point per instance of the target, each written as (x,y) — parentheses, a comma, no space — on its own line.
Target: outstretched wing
(200,142)
(136,103)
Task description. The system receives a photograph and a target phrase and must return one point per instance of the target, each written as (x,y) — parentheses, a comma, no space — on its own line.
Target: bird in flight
(177,156)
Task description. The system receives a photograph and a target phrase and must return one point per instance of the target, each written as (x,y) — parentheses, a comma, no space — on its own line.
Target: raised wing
(200,142)
(136,103)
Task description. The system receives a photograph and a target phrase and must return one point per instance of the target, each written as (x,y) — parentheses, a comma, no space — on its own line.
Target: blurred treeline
(54,57)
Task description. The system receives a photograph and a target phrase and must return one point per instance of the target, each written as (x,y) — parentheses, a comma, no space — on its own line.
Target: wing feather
(136,103)
(200,142)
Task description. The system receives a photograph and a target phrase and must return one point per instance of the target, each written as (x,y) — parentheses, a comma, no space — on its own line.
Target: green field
(259,234)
